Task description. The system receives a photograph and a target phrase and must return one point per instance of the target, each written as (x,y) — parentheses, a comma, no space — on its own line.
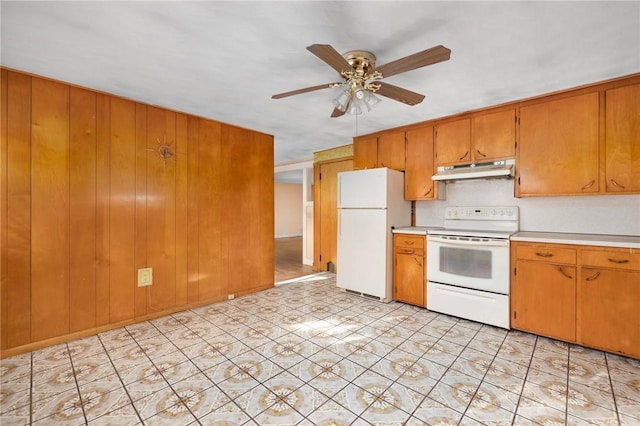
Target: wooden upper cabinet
(365,153)
(420,165)
(558,152)
(453,142)
(622,148)
(391,151)
(494,136)
(486,137)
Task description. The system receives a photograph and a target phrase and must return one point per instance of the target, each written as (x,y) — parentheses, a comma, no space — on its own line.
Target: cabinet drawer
(611,259)
(410,251)
(546,254)
(409,241)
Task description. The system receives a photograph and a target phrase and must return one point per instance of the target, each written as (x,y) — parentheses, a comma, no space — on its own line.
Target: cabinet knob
(618,261)
(589,185)
(564,273)
(616,184)
(540,254)
(593,277)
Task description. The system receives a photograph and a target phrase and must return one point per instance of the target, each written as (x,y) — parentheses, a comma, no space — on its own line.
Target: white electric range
(468,263)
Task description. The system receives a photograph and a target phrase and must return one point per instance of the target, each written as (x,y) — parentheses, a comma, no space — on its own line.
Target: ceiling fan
(362,79)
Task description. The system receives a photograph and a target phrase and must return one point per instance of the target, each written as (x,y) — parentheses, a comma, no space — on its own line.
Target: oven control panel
(482,213)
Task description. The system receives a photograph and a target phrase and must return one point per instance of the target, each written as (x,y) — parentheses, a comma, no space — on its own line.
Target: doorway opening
(293,216)
(288,255)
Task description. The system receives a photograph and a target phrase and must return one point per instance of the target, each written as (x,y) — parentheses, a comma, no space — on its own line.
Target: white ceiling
(224,60)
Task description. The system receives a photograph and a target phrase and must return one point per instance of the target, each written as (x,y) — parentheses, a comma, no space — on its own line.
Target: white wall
(288,210)
(594,214)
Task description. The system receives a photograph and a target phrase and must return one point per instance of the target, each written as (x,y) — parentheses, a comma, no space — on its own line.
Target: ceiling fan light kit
(362,78)
(356,101)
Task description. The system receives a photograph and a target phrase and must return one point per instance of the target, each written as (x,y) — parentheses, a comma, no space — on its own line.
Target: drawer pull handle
(409,242)
(618,261)
(408,251)
(564,273)
(614,183)
(465,154)
(593,277)
(589,185)
(544,254)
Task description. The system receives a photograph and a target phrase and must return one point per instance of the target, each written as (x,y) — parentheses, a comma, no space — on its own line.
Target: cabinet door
(365,153)
(608,312)
(623,139)
(420,165)
(543,299)
(409,277)
(391,151)
(494,136)
(558,153)
(453,142)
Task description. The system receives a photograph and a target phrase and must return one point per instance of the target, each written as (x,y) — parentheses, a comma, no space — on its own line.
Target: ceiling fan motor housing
(361,61)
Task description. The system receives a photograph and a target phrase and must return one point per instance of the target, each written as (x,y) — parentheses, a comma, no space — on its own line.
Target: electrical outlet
(231,297)
(145,277)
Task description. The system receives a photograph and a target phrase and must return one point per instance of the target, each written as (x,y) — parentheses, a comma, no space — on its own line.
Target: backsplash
(597,214)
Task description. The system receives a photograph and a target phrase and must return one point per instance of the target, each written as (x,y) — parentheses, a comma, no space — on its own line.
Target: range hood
(494,170)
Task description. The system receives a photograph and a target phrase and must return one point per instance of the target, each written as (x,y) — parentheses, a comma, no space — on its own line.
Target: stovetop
(485,221)
(472,233)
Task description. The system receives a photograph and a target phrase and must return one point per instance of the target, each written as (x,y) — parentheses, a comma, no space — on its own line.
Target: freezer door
(363,189)
(364,252)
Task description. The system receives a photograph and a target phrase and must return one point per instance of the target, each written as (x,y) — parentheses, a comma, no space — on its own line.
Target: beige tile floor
(307,353)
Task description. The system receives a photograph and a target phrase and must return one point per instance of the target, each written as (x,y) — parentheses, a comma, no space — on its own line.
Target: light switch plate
(145,277)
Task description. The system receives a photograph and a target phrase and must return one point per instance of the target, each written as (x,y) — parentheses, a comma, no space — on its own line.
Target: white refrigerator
(370,203)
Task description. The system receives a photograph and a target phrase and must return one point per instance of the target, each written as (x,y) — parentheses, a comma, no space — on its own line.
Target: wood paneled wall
(87,200)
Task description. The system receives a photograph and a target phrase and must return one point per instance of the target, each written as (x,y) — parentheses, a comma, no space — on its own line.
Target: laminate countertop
(623,241)
(417,230)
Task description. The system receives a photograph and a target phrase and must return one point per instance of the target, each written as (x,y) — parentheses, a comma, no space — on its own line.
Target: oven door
(470,262)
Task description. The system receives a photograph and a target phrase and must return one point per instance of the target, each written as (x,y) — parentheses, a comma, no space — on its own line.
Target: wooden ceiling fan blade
(399,94)
(337,113)
(305,90)
(417,60)
(330,56)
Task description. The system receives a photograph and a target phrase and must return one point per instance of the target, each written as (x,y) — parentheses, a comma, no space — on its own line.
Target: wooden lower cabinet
(609,314)
(543,299)
(409,273)
(608,296)
(577,293)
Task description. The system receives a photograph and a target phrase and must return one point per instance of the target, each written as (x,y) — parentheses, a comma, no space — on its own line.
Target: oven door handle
(484,243)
